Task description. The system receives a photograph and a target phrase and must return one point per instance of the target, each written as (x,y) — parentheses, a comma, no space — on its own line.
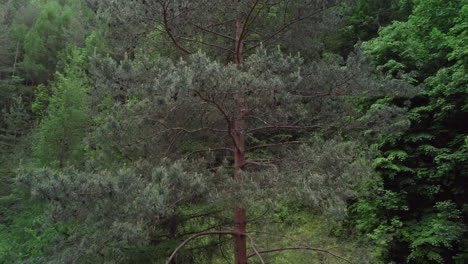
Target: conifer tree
(230,101)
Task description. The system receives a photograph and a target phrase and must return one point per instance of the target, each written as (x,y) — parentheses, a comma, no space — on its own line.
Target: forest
(220,131)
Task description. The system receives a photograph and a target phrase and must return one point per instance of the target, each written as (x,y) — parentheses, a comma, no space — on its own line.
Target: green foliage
(423,170)
(361,22)
(61,132)
(43,42)
(20,237)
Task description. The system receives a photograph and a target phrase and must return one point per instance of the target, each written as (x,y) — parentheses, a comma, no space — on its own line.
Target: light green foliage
(20,237)
(61,132)
(292,226)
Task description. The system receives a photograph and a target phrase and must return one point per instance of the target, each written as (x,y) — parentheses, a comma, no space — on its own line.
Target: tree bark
(239,130)
(240,241)
(240,220)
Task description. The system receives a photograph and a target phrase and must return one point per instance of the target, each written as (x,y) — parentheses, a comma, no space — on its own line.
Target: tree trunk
(240,243)
(239,128)
(240,221)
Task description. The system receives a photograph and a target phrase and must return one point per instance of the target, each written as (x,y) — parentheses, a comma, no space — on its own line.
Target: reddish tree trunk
(238,133)
(240,221)
(240,243)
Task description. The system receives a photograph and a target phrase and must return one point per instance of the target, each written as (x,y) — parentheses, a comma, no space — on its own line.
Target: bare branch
(206,43)
(218,106)
(168,30)
(195,236)
(312,95)
(281,29)
(197,130)
(259,216)
(276,145)
(268,163)
(302,248)
(210,150)
(244,27)
(214,32)
(282,127)
(252,244)
(223,112)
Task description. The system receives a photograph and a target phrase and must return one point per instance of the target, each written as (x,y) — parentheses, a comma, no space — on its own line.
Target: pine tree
(232,92)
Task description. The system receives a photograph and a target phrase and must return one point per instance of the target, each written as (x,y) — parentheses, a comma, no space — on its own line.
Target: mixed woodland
(248,131)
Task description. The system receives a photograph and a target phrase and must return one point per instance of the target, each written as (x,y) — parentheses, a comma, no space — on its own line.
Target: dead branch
(195,236)
(301,248)
(168,30)
(210,150)
(213,32)
(276,145)
(259,216)
(252,244)
(284,27)
(196,130)
(268,163)
(244,27)
(206,43)
(282,127)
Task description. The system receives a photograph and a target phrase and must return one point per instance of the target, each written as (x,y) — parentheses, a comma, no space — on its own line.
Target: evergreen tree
(61,132)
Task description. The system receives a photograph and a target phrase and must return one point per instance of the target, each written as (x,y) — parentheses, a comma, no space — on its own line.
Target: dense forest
(248,131)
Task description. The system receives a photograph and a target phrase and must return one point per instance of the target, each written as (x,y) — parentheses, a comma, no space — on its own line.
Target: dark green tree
(421,216)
